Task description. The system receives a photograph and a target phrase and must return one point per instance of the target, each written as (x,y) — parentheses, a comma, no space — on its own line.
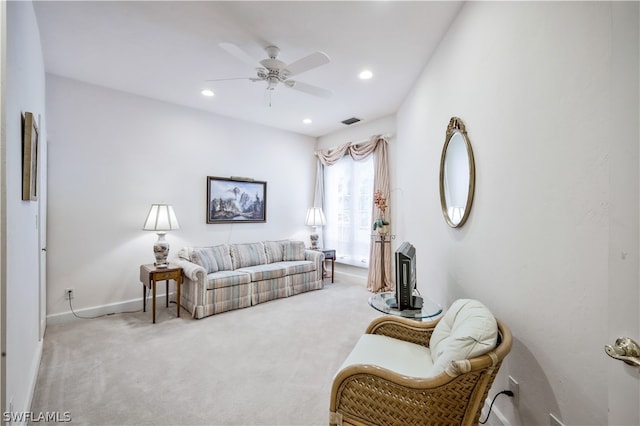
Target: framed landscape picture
(29,157)
(236,200)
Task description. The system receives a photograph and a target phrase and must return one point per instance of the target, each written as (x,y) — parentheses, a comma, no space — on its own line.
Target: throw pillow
(468,329)
(293,250)
(274,251)
(223,257)
(205,257)
(244,255)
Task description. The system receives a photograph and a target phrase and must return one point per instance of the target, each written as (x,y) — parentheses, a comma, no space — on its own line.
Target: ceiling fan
(274,71)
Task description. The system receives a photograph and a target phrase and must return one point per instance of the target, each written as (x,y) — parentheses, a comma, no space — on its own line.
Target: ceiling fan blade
(239,54)
(308,62)
(308,88)
(234,78)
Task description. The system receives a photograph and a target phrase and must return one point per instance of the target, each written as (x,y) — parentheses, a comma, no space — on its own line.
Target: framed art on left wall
(29,157)
(236,200)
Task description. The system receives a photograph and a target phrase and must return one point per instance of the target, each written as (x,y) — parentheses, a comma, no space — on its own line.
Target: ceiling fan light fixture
(207,92)
(272,82)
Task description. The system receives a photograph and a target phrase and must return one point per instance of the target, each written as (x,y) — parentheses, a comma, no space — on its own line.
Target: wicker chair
(372,395)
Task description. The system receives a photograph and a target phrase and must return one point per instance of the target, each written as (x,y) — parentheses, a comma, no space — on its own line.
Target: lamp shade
(161,218)
(315,217)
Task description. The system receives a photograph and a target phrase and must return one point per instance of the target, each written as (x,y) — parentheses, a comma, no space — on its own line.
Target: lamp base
(314,241)
(161,251)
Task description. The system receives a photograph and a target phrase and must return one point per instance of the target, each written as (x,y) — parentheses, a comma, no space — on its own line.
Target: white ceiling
(167,49)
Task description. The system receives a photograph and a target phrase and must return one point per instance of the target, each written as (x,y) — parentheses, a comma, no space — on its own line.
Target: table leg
(178,282)
(333,263)
(153,283)
(144,297)
(167,294)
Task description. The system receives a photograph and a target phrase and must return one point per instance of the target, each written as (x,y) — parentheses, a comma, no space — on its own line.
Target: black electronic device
(406,278)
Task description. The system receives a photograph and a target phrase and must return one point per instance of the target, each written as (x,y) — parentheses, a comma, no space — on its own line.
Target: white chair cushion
(396,355)
(467,329)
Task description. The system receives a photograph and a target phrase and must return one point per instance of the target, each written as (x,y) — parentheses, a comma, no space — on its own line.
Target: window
(348,188)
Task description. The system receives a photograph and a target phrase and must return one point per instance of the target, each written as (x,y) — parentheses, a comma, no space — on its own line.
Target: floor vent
(350,121)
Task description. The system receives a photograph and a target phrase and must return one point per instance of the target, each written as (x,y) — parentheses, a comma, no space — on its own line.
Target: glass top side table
(382,302)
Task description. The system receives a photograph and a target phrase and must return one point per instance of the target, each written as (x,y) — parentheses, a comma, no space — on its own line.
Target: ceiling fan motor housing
(272,51)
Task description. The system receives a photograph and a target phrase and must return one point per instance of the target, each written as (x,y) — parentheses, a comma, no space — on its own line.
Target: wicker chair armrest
(369,394)
(409,330)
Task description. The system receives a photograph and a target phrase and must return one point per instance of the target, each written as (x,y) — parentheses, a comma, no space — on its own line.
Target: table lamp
(161,218)
(315,218)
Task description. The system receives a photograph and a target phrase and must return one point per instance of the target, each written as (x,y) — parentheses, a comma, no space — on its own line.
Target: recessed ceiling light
(207,92)
(307,121)
(365,75)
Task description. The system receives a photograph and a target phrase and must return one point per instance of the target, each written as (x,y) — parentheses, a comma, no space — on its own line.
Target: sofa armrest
(191,270)
(318,258)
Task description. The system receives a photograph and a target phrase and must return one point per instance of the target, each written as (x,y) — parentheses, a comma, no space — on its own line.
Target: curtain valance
(359,151)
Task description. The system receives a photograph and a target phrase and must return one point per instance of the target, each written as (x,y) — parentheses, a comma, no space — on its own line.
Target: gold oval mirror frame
(457,175)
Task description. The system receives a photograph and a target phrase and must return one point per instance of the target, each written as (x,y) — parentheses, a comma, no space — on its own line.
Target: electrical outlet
(515,388)
(68,293)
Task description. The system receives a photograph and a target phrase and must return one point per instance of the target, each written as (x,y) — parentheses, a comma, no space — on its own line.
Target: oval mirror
(457,175)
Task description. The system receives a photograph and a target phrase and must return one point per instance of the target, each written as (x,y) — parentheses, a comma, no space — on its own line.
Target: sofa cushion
(468,329)
(267,271)
(298,266)
(243,255)
(205,257)
(223,279)
(274,251)
(293,250)
(408,359)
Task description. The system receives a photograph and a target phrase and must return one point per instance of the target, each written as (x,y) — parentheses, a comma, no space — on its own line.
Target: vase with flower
(380,224)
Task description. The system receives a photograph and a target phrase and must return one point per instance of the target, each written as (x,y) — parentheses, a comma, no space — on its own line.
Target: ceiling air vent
(350,121)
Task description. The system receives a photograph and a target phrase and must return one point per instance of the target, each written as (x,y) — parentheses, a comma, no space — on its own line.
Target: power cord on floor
(506,392)
(103,315)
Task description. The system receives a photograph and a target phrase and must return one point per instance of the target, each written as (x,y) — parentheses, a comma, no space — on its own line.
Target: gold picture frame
(29,158)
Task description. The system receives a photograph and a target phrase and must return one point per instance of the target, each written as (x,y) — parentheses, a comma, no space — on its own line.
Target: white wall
(112,154)
(359,132)
(532,81)
(3,209)
(25,91)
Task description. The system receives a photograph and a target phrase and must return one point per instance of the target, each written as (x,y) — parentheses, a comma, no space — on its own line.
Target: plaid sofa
(233,276)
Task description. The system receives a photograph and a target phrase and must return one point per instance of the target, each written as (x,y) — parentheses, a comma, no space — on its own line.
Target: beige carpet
(271,364)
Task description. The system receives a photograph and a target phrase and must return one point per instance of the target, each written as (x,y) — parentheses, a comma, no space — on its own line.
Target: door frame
(623,388)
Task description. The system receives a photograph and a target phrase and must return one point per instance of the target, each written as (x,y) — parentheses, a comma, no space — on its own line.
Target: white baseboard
(346,277)
(15,410)
(133,305)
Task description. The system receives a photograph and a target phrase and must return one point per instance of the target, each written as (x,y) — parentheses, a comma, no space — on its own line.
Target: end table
(329,254)
(150,275)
